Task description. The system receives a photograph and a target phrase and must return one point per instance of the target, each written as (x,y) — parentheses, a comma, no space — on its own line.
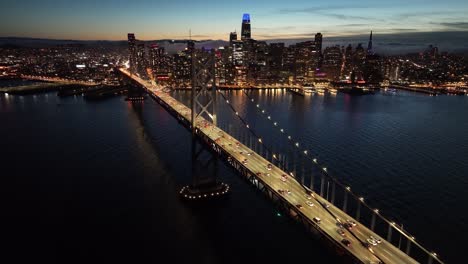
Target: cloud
(330,11)
(274,28)
(354,25)
(317,9)
(453,25)
(426,14)
(403,29)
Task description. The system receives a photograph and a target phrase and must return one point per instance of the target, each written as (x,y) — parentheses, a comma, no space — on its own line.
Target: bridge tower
(205,183)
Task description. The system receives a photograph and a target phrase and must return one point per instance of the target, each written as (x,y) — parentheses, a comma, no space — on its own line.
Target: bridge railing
(252,140)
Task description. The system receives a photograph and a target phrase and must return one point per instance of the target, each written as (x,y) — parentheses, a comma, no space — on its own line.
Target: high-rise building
(306,61)
(332,62)
(276,60)
(141,59)
(182,69)
(318,48)
(259,69)
(369,45)
(232,37)
(348,63)
(245,33)
(132,49)
(239,63)
(318,42)
(159,63)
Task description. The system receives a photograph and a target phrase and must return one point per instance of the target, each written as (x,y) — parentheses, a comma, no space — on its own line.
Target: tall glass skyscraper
(246,33)
(132,51)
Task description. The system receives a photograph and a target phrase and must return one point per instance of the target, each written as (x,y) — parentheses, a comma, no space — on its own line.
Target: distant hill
(383,43)
(170,45)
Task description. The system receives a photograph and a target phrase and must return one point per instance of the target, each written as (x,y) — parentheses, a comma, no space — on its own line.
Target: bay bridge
(335,216)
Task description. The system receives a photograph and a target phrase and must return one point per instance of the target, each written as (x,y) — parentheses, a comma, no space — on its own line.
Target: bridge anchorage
(205,184)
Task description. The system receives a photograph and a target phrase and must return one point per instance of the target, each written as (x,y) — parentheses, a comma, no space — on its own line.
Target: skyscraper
(332,62)
(369,46)
(159,63)
(141,59)
(318,48)
(318,43)
(132,51)
(245,33)
(232,37)
(276,60)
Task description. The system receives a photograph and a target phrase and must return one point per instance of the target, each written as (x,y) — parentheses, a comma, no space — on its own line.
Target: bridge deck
(385,251)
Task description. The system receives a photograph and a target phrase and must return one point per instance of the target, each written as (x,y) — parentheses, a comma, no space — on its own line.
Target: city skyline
(110,20)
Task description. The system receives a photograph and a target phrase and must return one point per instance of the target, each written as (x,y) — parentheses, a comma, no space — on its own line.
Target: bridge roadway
(328,213)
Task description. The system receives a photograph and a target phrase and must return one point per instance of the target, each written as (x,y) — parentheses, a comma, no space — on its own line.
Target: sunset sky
(214,19)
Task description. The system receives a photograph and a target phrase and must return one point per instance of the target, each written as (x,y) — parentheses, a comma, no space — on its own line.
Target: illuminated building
(245,33)
(332,62)
(348,63)
(132,51)
(239,63)
(276,60)
(141,59)
(159,63)
(318,48)
(370,51)
(232,37)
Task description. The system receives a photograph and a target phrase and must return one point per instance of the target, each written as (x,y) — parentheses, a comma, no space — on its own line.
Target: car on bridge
(346,242)
(351,222)
(309,203)
(269,166)
(317,220)
(378,240)
(299,206)
(372,242)
(341,232)
(348,226)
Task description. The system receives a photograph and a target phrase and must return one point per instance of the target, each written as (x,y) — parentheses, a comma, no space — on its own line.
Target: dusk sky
(214,19)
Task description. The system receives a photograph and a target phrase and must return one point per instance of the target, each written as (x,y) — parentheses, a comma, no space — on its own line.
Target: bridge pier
(322,185)
(358,211)
(302,174)
(345,203)
(373,221)
(312,181)
(408,247)
(333,193)
(389,234)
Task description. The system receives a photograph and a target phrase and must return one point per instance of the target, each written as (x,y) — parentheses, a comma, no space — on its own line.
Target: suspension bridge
(312,205)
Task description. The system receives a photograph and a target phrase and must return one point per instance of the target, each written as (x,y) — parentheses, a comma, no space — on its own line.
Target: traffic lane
(329,225)
(384,249)
(297,196)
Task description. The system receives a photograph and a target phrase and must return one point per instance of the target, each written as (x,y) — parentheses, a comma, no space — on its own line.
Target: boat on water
(356,91)
(309,89)
(390,90)
(321,91)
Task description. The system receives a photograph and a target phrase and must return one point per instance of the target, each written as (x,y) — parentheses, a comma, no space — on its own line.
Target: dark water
(98,181)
